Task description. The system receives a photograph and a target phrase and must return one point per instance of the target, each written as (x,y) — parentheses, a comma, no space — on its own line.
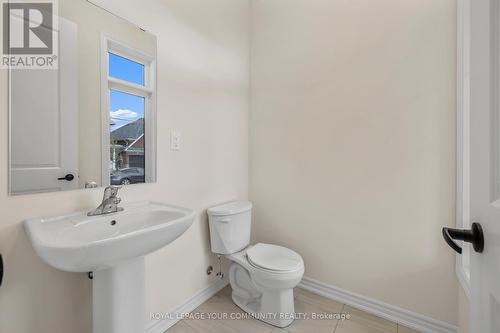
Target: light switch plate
(175,141)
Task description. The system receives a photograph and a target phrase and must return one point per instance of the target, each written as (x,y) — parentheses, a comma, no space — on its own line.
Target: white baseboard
(390,312)
(160,326)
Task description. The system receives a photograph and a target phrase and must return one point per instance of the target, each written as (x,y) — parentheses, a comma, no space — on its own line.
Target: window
(125,69)
(126,114)
(128,82)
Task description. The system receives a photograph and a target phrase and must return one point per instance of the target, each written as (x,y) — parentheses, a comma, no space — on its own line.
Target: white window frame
(463,138)
(148,92)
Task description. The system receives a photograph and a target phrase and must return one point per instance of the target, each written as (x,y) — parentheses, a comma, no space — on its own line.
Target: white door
(44,122)
(485,163)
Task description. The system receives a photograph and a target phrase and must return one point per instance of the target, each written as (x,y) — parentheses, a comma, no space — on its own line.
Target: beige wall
(463,311)
(352,130)
(202,92)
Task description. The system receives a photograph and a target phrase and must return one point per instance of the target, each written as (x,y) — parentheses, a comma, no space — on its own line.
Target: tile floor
(305,302)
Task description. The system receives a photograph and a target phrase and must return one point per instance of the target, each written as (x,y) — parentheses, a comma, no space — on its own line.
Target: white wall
(352,143)
(202,92)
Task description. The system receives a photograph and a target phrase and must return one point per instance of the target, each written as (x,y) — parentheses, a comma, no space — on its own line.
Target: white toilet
(262,276)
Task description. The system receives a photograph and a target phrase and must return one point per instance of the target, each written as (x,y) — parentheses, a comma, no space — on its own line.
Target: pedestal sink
(113,247)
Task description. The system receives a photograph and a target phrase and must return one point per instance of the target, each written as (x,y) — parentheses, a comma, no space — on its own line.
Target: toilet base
(274,306)
(281,319)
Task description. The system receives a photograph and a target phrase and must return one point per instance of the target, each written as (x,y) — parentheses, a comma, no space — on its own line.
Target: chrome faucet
(109,202)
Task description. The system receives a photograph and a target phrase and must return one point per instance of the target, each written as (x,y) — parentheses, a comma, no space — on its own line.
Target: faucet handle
(112,190)
(109,202)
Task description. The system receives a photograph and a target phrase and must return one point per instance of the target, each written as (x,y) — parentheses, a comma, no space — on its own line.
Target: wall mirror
(91,122)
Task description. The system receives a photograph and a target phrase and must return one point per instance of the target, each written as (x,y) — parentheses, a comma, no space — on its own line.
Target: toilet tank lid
(230,208)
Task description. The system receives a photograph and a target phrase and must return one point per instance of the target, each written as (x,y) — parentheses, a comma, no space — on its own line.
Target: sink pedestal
(118,298)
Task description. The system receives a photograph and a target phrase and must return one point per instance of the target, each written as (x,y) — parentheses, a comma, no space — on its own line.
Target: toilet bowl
(262,276)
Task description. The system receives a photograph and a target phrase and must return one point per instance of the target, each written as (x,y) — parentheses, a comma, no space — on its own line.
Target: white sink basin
(78,243)
(113,247)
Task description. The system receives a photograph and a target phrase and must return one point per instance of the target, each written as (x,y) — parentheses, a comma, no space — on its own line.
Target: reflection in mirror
(91,122)
(129,92)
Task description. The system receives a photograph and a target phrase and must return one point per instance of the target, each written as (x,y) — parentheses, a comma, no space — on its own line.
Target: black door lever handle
(1,269)
(474,236)
(69,177)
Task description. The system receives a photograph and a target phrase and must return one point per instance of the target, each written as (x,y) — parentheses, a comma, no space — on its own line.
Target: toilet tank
(230,226)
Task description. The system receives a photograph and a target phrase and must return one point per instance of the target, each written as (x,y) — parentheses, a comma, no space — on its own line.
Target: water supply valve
(219,273)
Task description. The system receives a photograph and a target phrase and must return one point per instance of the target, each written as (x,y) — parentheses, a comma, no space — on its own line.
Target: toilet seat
(274,258)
